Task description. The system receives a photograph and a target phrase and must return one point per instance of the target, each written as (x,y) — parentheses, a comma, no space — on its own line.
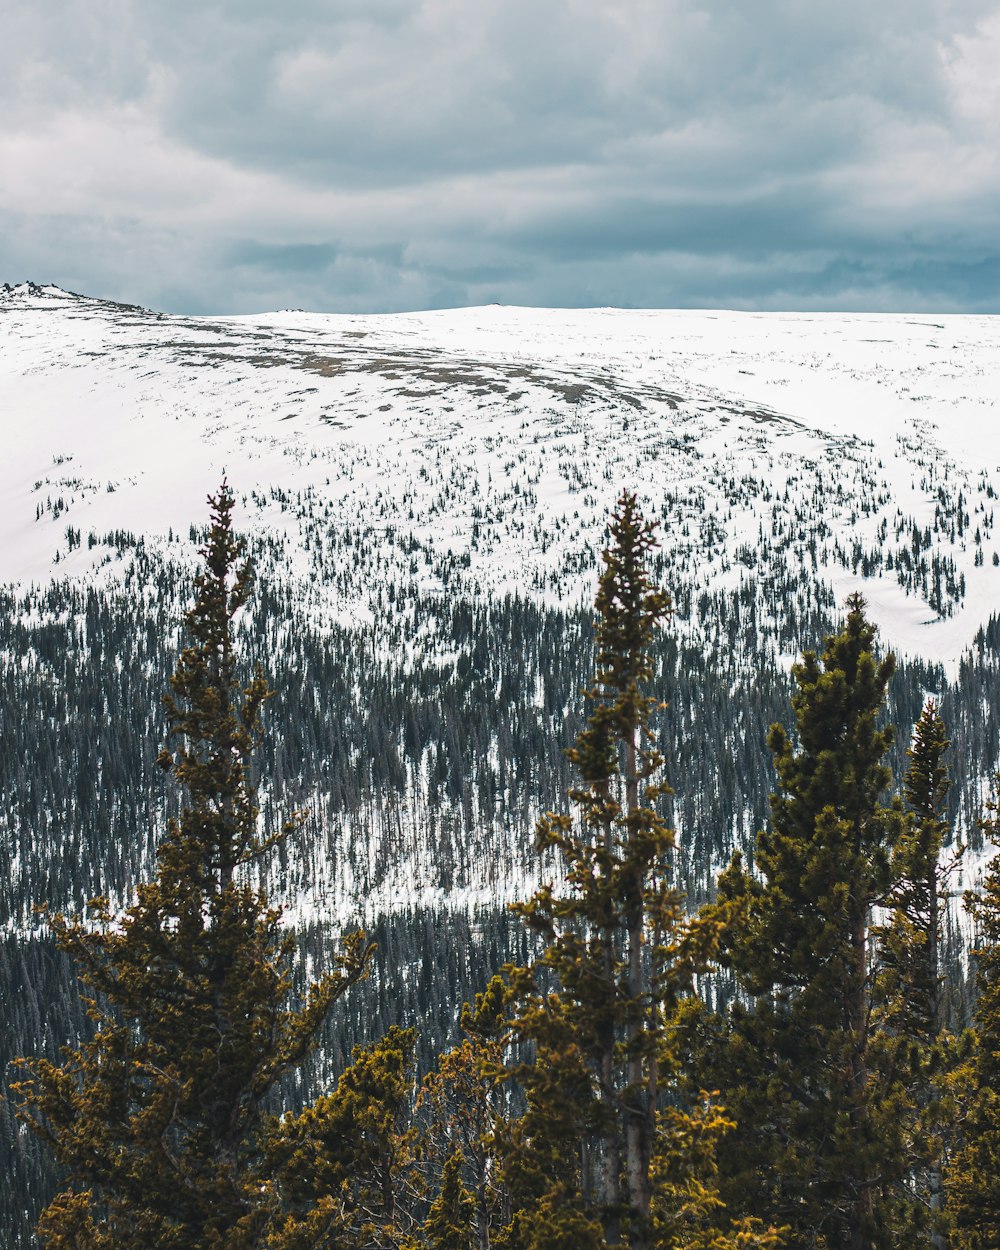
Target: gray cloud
(387,154)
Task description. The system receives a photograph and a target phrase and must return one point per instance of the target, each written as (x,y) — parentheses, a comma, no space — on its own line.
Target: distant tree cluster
(780,1067)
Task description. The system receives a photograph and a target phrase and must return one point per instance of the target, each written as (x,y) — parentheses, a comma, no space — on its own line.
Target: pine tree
(465,1111)
(547,1155)
(815,1148)
(916,1043)
(913,942)
(621,905)
(686,1202)
(972,1177)
(157,1119)
(619,954)
(449,1225)
(344,1167)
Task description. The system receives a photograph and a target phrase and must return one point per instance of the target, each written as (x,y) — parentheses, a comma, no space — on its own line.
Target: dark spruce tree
(916,1039)
(601,1157)
(972,1176)
(157,1120)
(817,1145)
(344,1167)
(912,954)
(449,1224)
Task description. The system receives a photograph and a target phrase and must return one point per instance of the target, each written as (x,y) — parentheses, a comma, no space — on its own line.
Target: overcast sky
(377,155)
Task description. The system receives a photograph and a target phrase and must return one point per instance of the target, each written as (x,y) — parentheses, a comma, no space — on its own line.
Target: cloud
(383,154)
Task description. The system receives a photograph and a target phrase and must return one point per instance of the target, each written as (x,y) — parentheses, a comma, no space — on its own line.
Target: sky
(210,156)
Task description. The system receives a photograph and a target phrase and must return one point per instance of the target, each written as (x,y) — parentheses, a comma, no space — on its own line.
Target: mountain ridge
(567,406)
(425,497)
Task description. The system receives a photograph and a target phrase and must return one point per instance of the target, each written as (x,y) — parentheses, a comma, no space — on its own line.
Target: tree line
(440,730)
(777,1067)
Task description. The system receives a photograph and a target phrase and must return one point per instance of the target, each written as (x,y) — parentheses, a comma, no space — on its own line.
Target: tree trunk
(611,1165)
(862,1199)
(639,1112)
(935,1173)
(482,1202)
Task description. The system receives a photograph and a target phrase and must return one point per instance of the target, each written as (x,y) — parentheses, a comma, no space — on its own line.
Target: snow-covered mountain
(425,497)
(482,448)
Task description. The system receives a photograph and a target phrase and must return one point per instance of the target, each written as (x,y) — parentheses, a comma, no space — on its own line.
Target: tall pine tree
(619,960)
(814,1147)
(157,1120)
(972,1178)
(916,1043)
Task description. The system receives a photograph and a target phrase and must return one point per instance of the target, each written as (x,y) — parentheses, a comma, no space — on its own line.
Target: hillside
(425,496)
(488,443)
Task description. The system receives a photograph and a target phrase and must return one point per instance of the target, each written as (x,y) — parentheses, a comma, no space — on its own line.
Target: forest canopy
(781,1060)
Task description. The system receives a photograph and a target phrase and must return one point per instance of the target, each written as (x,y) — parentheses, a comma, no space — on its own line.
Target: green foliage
(973,1175)
(619,959)
(449,1225)
(911,943)
(687,1208)
(814,1128)
(914,1044)
(156,1120)
(344,1167)
(559,1220)
(465,1112)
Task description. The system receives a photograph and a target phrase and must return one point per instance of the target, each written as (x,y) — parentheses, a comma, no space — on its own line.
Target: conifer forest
(673,1041)
(499,625)
(546,802)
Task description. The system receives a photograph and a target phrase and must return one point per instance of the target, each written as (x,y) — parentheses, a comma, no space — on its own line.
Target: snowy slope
(380,460)
(487,445)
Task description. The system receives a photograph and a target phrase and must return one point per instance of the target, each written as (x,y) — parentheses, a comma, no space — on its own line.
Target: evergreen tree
(916,1043)
(344,1167)
(686,1201)
(449,1225)
(816,1148)
(912,943)
(463,1104)
(972,1178)
(619,955)
(157,1119)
